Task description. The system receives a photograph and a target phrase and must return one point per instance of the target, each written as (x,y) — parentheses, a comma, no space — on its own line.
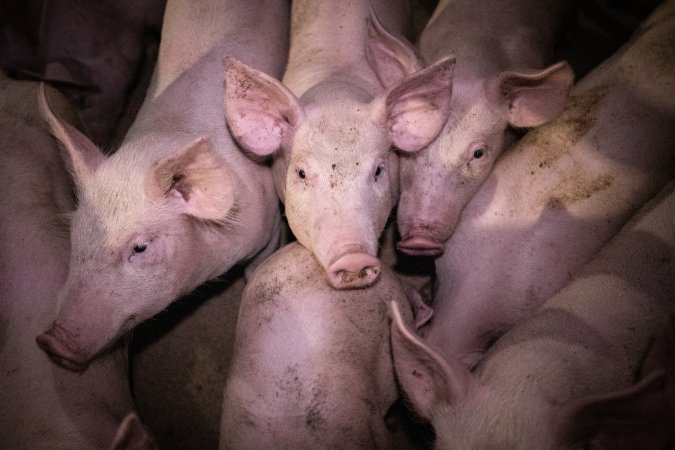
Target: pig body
(351,90)
(178,203)
(500,82)
(93,53)
(43,406)
(311,366)
(554,200)
(586,368)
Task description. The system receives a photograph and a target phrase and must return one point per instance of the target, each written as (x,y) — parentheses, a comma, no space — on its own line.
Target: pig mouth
(353,271)
(52,342)
(418,245)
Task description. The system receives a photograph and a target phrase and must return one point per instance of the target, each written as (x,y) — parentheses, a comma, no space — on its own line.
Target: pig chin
(421,241)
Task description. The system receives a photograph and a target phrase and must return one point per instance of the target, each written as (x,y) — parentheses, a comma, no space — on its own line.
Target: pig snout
(351,270)
(421,241)
(55,342)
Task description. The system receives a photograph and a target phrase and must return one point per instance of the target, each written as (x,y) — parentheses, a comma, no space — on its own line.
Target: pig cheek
(299,209)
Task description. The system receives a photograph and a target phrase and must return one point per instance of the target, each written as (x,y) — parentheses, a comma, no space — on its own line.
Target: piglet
(560,194)
(178,204)
(350,92)
(311,366)
(501,82)
(574,375)
(44,406)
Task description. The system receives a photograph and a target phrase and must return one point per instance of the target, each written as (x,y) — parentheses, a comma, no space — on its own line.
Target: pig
(311,366)
(93,52)
(350,92)
(581,372)
(178,203)
(559,195)
(500,83)
(44,406)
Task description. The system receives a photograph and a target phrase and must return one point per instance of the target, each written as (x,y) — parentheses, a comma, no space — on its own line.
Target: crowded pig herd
(253,224)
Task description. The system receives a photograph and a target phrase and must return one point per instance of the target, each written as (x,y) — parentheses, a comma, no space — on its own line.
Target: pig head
(173,222)
(498,86)
(334,167)
(311,366)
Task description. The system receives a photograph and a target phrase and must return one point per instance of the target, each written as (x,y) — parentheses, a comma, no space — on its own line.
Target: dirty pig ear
(260,111)
(83,155)
(416,110)
(390,58)
(532,98)
(425,377)
(195,180)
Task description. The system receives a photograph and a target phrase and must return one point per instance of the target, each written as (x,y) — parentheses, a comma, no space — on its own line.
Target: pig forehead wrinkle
(340,130)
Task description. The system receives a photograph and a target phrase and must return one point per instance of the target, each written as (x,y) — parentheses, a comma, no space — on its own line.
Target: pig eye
(140,248)
(378,171)
(301,173)
(478,153)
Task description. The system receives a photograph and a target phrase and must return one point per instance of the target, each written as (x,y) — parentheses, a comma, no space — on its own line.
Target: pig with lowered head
(45,406)
(351,91)
(178,203)
(499,83)
(593,368)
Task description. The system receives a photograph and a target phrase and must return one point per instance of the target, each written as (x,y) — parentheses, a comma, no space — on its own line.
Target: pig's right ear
(83,155)
(427,380)
(261,112)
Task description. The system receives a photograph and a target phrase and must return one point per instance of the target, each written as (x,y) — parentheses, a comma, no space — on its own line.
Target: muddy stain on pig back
(558,138)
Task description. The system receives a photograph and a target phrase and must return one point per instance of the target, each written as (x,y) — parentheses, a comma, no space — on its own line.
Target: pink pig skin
(311,366)
(350,92)
(554,200)
(502,48)
(178,203)
(44,406)
(593,368)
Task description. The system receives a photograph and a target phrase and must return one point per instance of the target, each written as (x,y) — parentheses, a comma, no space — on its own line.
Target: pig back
(311,364)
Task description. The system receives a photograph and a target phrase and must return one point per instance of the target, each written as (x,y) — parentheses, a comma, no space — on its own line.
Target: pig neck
(328,42)
(490,37)
(192,29)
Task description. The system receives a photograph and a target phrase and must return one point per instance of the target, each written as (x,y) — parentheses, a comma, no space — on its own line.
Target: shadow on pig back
(179,361)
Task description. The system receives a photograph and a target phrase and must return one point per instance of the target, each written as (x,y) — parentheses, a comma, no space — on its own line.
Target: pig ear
(532,98)
(421,311)
(427,380)
(132,435)
(635,417)
(392,59)
(83,155)
(196,180)
(261,112)
(416,109)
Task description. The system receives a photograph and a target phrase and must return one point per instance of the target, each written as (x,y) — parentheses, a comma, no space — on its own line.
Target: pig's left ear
(391,59)
(415,110)
(261,112)
(196,181)
(531,98)
(635,417)
(427,380)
